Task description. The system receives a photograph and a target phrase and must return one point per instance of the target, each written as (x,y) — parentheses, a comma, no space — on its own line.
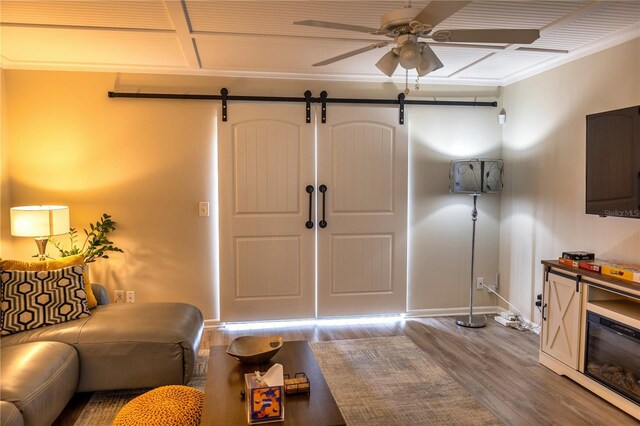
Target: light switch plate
(203,208)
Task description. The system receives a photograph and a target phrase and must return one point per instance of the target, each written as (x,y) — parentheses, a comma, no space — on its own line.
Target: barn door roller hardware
(308,99)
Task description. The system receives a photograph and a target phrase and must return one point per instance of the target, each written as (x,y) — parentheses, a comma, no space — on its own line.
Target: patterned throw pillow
(47,265)
(33,299)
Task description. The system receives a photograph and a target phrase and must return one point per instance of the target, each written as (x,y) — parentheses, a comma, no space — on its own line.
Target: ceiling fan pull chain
(406,82)
(417,83)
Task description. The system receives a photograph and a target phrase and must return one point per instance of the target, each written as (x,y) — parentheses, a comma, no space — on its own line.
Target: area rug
(103,407)
(375,381)
(390,381)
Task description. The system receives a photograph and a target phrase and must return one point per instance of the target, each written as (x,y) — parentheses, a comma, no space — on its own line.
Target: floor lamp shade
(475,176)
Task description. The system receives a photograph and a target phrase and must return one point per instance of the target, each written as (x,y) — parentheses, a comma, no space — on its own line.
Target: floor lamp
(474,177)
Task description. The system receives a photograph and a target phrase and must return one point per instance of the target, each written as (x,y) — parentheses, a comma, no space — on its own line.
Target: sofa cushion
(48,265)
(33,299)
(10,415)
(129,345)
(39,379)
(139,345)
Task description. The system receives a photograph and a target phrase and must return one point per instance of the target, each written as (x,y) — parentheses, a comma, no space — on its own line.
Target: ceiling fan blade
(352,53)
(437,11)
(337,26)
(510,36)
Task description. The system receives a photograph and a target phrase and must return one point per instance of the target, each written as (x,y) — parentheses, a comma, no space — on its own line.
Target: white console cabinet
(570,296)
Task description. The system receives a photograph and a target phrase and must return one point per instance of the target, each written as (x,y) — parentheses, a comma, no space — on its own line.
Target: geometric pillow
(73,260)
(33,299)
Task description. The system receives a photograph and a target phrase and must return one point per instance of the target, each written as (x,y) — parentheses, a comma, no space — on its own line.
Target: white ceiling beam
(178,14)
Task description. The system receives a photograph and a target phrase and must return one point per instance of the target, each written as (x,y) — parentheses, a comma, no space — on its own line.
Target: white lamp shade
(388,63)
(39,221)
(475,176)
(429,61)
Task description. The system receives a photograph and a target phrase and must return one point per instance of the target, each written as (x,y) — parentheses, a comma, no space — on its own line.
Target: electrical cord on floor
(523,325)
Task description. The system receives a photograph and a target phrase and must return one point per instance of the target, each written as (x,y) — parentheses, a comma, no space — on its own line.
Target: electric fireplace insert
(612,355)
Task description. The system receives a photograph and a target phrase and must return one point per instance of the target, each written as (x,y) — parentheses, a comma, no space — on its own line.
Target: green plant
(96,243)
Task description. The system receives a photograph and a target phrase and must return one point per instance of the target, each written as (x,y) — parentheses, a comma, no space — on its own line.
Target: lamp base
(471,321)
(41,242)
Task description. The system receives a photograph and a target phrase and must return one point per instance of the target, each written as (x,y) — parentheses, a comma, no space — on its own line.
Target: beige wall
(542,208)
(149,162)
(4,187)
(441,226)
(145,162)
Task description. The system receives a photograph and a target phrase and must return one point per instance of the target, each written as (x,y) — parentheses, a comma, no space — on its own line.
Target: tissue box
(264,403)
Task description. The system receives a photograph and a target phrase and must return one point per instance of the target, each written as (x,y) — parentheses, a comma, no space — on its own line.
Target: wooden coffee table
(225,379)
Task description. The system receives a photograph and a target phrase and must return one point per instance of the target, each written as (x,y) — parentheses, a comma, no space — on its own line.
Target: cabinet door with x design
(561,318)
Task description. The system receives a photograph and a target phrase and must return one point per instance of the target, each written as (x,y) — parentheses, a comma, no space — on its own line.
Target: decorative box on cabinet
(568,295)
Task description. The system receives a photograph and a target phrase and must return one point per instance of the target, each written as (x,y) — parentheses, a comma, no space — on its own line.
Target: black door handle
(543,317)
(323,189)
(309,223)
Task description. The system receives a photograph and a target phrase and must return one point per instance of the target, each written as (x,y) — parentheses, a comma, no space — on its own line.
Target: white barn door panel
(266,157)
(362,252)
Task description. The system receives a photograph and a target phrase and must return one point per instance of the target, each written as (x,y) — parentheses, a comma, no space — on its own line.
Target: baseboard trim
(446,312)
(210,323)
(412,313)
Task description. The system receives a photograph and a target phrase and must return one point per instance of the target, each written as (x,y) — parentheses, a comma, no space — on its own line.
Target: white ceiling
(257,38)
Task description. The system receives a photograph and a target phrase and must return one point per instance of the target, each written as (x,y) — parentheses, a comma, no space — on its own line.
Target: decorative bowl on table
(254,349)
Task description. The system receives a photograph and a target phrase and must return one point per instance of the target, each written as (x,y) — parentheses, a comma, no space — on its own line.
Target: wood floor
(495,364)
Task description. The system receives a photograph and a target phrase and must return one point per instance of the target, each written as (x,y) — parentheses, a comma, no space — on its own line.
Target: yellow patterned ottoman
(166,405)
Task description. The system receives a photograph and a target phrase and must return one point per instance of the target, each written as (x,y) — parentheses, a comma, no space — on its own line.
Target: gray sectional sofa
(120,346)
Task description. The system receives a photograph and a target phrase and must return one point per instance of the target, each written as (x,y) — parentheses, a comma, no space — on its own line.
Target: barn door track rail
(308,99)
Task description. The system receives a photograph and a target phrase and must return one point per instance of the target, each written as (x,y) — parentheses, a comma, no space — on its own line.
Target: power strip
(508,315)
(505,322)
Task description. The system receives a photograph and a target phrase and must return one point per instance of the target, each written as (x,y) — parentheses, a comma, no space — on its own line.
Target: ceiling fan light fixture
(405,28)
(388,63)
(409,55)
(429,62)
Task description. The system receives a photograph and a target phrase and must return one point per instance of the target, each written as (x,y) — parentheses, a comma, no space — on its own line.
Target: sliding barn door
(266,158)
(362,251)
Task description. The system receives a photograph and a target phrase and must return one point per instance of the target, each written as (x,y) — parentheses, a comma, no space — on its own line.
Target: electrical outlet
(203,208)
(131,296)
(479,282)
(119,296)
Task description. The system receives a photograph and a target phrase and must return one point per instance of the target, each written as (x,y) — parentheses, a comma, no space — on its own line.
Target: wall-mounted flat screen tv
(613,163)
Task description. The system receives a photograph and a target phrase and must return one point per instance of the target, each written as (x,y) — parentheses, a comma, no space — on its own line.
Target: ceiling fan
(405,28)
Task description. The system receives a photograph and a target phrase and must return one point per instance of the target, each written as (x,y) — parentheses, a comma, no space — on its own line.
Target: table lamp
(39,222)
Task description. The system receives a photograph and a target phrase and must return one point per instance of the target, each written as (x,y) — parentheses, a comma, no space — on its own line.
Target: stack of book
(580,259)
(585,260)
